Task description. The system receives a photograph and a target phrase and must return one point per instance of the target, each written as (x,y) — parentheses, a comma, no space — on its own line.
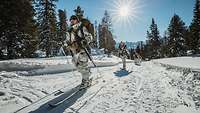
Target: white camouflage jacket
(71,41)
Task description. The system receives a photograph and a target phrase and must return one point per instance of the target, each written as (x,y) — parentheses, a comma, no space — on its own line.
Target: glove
(65,45)
(84,42)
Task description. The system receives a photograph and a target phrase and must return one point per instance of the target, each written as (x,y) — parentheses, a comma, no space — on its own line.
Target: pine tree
(147,51)
(177,30)
(101,37)
(17,29)
(106,39)
(164,46)
(47,29)
(106,21)
(132,53)
(153,41)
(138,49)
(188,39)
(62,26)
(142,49)
(79,12)
(195,29)
(96,35)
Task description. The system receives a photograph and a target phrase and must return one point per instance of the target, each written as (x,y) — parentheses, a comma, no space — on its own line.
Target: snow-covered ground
(150,88)
(188,62)
(39,66)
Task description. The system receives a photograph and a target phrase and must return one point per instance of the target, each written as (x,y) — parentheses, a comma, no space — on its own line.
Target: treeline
(30,25)
(27,26)
(106,39)
(178,39)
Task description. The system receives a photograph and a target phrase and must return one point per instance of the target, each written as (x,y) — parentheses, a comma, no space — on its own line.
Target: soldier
(123,53)
(78,39)
(137,58)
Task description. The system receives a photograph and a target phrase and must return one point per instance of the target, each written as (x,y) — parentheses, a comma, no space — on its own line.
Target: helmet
(74,17)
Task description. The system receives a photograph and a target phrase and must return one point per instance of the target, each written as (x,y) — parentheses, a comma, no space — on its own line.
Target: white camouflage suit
(123,54)
(80,58)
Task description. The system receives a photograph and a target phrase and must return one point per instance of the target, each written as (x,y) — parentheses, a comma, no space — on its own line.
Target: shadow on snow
(121,73)
(45,108)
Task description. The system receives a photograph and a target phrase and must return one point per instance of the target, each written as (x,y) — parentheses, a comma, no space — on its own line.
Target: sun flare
(124,12)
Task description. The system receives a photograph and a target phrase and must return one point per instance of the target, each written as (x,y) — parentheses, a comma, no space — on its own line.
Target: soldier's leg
(83,68)
(124,62)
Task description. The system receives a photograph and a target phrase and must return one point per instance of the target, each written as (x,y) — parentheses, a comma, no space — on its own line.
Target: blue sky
(160,10)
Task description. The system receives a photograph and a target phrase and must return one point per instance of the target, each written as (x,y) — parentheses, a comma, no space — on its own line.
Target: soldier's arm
(87,35)
(67,40)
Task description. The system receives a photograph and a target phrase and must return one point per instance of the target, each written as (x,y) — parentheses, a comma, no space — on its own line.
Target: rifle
(86,51)
(79,42)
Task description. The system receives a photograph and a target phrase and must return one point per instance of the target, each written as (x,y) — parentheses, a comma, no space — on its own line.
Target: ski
(126,70)
(90,97)
(67,96)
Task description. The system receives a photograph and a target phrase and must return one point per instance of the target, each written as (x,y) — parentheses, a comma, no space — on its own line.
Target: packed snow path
(150,88)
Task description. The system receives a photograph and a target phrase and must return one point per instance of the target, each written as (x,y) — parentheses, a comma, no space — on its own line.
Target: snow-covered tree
(17,29)
(62,26)
(106,39)
(153,41)
(195,29)
(79,12)
(142,49)
(164,45)
(95,34)
(106,21)
(176,33)
(47,28)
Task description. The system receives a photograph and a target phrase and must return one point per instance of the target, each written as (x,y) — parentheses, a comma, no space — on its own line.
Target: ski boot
(85,83)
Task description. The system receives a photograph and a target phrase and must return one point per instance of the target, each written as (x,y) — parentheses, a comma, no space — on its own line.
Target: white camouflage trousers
(80,60)
(124,61)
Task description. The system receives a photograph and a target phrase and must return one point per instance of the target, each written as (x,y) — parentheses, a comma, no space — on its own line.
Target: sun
(124,11)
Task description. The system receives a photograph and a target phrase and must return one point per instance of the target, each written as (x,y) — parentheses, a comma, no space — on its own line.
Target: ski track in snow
(22,90)
(146,90)
(150,88)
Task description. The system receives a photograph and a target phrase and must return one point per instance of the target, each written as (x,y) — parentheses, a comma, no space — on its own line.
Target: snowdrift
(39,66)
(189,81)
(181,63)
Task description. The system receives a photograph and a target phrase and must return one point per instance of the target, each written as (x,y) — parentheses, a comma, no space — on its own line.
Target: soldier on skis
(123,53)
(137,58)
(78,40)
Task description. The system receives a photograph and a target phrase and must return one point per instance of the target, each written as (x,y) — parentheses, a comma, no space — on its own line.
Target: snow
(189,62)
(38,66)
(150,88)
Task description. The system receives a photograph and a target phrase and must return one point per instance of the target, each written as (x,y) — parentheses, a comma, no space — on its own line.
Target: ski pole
(86,51)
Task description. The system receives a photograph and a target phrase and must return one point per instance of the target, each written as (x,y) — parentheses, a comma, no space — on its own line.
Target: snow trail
(150,88)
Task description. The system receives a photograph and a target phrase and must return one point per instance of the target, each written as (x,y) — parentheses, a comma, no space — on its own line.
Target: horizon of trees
(177,40)
(32,25)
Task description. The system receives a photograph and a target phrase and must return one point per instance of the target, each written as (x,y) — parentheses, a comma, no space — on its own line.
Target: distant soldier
(123,53)
(137,58)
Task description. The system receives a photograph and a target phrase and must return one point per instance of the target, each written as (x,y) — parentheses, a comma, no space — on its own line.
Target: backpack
(89,26)
(86,23)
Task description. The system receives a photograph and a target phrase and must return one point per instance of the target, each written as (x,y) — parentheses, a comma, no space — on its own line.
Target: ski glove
(84,43)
